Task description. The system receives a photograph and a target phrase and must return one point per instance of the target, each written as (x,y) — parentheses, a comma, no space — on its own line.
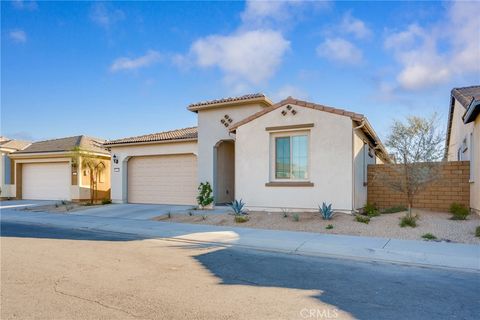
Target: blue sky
(117,69)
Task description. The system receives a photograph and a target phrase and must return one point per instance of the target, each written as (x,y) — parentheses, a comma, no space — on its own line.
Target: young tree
(93,164)
(417,146)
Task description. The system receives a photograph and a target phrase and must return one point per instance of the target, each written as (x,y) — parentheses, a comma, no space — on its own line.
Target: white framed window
(472,157)
(290,156)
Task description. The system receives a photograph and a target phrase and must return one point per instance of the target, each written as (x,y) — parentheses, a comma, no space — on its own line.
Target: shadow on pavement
(365,290)
(23,230)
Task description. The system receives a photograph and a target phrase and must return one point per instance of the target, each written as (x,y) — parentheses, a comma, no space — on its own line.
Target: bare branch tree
(417,146)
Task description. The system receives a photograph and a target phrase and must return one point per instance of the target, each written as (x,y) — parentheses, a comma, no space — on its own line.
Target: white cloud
(251,56)
(289,90)
(24,5)
(355,26)
(276,14)
(18,36)
(252,53)
(340,50)
(105,16)
(124,63)
(422,64)
(404,39)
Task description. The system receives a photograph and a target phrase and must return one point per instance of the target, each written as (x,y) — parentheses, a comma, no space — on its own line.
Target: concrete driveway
(140,211)
(132,211)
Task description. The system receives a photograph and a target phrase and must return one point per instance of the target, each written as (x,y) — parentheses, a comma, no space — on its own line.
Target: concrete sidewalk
(431,254)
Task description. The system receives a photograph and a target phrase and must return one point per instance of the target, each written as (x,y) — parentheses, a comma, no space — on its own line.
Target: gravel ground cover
(385,225)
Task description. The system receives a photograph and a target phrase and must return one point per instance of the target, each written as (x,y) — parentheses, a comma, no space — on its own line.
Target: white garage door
(46,181)
(170,179)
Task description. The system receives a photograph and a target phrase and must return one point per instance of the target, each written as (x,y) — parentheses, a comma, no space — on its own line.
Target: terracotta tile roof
(357,117)
(173,135)
(253,96)
(13,144)
(65,145)
(290,100)
(466,95)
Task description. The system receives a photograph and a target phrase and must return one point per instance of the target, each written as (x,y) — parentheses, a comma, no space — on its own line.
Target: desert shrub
(237,207)
(371,210)
(190,213)
(296,217)
(285,212)
(204,217)
(241,218)
(458,211)
(326,211)
(362,219)
(429,236)
(330,226)
(106,201)
(408,221)
(395,209)
(204,197)
(477,232)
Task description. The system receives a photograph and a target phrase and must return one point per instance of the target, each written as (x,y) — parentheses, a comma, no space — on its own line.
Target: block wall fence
(451,186)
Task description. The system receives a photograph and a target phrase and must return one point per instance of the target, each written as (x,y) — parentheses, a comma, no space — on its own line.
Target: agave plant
(326,211)
(237,207)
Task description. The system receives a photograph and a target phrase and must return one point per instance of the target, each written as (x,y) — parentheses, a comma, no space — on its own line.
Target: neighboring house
(463,136)
(292,154)
(7,146)
(45,170)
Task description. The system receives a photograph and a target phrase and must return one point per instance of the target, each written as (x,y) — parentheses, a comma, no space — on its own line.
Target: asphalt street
(211,282)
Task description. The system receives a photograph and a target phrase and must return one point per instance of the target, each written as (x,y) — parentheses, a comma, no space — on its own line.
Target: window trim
(272,165)
(472,158)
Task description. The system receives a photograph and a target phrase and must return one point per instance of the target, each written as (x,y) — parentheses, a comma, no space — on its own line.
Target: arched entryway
(224,187)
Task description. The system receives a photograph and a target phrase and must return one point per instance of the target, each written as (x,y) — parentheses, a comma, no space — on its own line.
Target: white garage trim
(46,181)
(162,179)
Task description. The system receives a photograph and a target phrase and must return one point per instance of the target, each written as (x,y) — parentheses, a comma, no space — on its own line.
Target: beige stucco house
(7,146)
(292,154)
(463,136)
(45,170)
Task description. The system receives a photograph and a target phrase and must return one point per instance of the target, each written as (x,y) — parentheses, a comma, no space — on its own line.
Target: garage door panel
(46,181)
(169,179)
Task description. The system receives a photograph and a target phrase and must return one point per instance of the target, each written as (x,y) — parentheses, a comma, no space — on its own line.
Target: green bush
(395,209)
(458,211)
(477,232)
(429,236)
(330,226)
(204,197)
(362,219)
(408,221)
(296,217)
(371,210)
(106,201)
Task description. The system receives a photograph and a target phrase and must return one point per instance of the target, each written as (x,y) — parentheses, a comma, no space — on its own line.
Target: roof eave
(472,112)
(378,143)
(121,144)
(261,100)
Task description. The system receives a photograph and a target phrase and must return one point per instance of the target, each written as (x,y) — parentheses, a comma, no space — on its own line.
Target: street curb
(369,255)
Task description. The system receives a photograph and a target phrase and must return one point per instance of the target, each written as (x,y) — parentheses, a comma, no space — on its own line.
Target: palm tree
(93,164)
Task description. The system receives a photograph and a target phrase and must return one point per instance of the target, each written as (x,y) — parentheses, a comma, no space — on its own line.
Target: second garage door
(46,181)
(170,179)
